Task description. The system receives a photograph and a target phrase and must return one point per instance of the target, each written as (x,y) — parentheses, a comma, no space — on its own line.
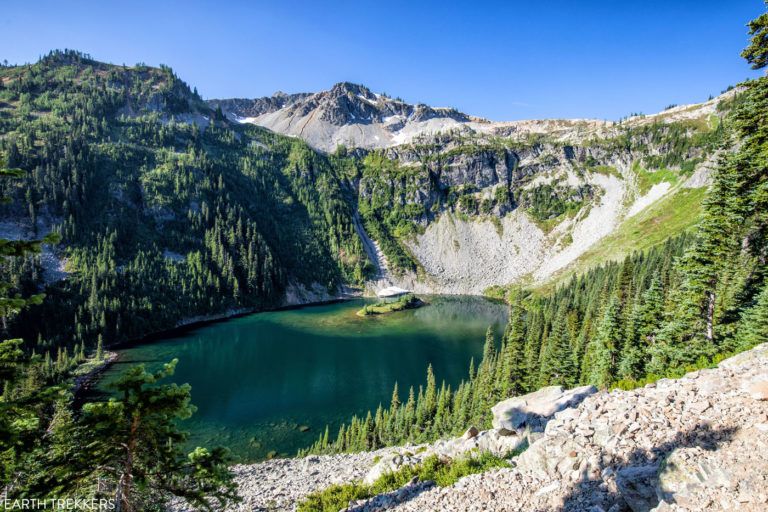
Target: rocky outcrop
(517,423)
(532,411)
(240,108)
(695,443)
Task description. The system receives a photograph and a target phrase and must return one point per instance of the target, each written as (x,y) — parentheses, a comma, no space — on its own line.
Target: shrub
(442,472)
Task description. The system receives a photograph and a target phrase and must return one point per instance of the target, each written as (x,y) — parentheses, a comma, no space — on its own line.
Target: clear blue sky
(497,59)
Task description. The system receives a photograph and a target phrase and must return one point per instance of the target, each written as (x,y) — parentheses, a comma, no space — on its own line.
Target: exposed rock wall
(441,152)
(463,254)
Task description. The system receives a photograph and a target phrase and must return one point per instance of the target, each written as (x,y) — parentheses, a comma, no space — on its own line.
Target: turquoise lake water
(256,379)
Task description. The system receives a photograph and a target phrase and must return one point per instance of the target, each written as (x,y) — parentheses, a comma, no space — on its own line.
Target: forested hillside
(166,211)
(156,194)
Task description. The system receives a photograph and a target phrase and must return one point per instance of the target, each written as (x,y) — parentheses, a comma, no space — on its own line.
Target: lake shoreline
(192,323)
(187,325)
(257,380)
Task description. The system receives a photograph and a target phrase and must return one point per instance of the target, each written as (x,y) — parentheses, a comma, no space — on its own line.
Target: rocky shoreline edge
(694,443)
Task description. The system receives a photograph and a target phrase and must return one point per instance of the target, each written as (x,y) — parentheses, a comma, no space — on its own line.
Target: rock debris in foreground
(695,443)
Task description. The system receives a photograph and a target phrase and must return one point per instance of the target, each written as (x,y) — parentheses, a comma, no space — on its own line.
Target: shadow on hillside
(638,475)
(393,498)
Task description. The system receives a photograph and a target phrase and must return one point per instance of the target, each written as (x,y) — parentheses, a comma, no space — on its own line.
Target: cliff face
(488,213)
(238,108)
(695,443)
(450,203)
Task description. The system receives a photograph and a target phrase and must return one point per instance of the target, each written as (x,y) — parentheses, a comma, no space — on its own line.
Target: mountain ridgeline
(455,204)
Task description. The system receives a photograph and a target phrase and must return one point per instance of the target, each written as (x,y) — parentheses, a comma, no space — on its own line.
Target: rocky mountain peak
(348,103)
(345,88)
(347,113)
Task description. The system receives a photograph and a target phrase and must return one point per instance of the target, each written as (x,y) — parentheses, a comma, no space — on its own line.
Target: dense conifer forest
(214,215)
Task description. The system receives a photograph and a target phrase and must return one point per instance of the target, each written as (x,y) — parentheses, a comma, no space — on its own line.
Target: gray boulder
(687,473)
(472,443)
(637,486)
(534,410)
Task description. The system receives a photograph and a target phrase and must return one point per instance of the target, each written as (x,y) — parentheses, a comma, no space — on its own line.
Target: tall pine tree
(606,345)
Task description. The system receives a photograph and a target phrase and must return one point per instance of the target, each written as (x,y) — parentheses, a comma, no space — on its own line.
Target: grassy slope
(669,216)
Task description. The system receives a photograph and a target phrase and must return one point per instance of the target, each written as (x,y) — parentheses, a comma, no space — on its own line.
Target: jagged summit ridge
(348,113)
(352,115)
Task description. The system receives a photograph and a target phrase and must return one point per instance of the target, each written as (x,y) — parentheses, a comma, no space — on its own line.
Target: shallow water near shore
(260,380)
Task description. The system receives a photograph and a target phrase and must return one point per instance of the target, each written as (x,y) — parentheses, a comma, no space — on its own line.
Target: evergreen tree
(606,346)
(430,395)
(757,51)
(133,442)
(754,328)
(512,366)
(100,348)
(643,323)
(394,404)
(557,366)
(483,391)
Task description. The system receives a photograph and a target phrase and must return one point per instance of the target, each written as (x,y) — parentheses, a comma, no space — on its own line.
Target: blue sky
(501,60)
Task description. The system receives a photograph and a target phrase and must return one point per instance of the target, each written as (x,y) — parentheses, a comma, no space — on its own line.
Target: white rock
(535,409)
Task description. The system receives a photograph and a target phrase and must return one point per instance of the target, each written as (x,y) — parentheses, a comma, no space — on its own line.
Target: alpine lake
(267,384)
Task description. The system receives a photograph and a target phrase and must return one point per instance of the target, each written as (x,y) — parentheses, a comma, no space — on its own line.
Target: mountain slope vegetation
(156,197)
